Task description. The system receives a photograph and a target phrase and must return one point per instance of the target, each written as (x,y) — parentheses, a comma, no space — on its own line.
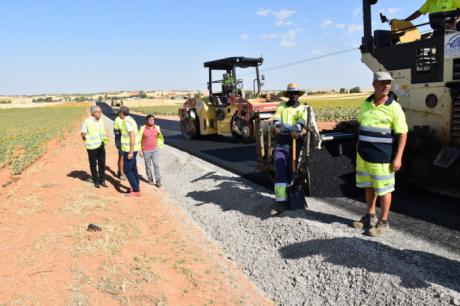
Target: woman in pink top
(151,141)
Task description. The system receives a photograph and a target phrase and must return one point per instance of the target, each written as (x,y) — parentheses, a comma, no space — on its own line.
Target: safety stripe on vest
(364,184)
(375,139)
(376,177)
(385,189)
(375,129)
(281,192)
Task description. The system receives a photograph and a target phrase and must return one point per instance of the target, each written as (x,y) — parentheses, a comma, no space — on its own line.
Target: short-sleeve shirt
(129,127)
(118,123)
(438,6)
(388,115)
(84,128)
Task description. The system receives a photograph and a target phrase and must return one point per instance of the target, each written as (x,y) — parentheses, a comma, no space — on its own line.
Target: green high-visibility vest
(126,140)
(95,135)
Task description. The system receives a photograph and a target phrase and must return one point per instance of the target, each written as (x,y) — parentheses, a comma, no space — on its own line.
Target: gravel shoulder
(314,257)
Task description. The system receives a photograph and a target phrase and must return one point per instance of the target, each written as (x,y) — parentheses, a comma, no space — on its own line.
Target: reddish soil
(148,251)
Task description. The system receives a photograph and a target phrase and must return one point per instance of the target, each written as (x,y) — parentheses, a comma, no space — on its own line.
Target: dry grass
(111,239)
(31,206)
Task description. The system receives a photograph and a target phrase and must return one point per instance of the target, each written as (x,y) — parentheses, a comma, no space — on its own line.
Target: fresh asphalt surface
(332,175)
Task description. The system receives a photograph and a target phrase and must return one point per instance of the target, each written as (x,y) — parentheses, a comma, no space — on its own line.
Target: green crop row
(26,132)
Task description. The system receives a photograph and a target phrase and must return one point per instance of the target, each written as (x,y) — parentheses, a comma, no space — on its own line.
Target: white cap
(382,76)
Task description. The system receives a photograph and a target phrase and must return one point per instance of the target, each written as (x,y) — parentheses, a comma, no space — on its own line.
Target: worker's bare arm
(83,136)
(397,161)
(132,143)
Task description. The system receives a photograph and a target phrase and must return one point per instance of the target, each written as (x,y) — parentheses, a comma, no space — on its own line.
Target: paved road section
(333,175)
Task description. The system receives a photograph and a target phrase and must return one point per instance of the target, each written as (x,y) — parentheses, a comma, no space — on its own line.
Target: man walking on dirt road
(151,142)
(290,119)
(95,138)
(381,142)
(130,145)
(117,124)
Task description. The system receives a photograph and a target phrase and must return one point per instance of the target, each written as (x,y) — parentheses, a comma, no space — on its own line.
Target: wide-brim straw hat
(292,88)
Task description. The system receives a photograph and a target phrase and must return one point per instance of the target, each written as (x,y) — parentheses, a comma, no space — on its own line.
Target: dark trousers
(97,161)
(130,169)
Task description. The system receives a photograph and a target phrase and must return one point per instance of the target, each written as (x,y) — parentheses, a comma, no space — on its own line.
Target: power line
(292,63)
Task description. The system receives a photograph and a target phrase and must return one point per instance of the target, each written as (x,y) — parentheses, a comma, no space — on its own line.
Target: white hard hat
(382,76)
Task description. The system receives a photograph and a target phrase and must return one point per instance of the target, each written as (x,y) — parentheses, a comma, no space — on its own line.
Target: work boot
(159,184)
(366,221)
(280,207)
(151,182)
(379,229)
(103,184)
(96,185)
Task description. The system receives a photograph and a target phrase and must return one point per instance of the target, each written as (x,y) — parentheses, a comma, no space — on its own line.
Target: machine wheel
(190,128)
(246,132)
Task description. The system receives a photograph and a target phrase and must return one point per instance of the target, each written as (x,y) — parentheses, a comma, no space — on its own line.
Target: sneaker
(96,185)
(379,229)
(151,183)
(366,221)
(280,207)
(103,184)
(133,194)
(158,184)
(122,178)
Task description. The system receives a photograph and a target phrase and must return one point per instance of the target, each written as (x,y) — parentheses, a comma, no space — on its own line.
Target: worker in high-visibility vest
(435,9)
(130,145)
(228,83)
(381,141)
(95,138)
(117,124)
(152,141)
(290,119)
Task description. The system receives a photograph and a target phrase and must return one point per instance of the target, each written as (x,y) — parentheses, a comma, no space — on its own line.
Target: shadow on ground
(86,177)
(234,194)
(420,268)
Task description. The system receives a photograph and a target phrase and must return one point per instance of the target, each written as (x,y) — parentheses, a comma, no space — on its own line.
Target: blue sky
(99,45)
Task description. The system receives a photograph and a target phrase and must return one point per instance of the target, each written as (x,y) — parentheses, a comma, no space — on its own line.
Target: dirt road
(148,252)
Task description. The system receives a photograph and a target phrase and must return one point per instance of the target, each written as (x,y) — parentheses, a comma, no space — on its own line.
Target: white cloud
(357,12)
(393,10)
(244,36)
(281,16)
(331,24)
(269,36)
(326,23)
(289,38)
(263,12)
(353,28)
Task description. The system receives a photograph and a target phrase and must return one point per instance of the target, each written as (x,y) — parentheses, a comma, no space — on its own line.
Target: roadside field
(170,109)
(326,109)
(26,132)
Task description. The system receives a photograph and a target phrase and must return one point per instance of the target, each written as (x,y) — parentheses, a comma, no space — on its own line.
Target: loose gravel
(311,257)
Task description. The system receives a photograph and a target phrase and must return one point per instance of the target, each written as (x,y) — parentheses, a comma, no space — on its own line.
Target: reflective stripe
(364,184)
(383,177)
(281,192)
(95,134)
(385,189)
(361,173)
(375,129)
(375,139)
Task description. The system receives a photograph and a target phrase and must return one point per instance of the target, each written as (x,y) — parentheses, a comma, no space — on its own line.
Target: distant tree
(355,90)
(142,95)
(343,90)
(248,94)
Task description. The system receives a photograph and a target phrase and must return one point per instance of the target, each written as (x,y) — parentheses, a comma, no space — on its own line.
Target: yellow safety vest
(160,137)
(438,6)
(126,140)
(95,135)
